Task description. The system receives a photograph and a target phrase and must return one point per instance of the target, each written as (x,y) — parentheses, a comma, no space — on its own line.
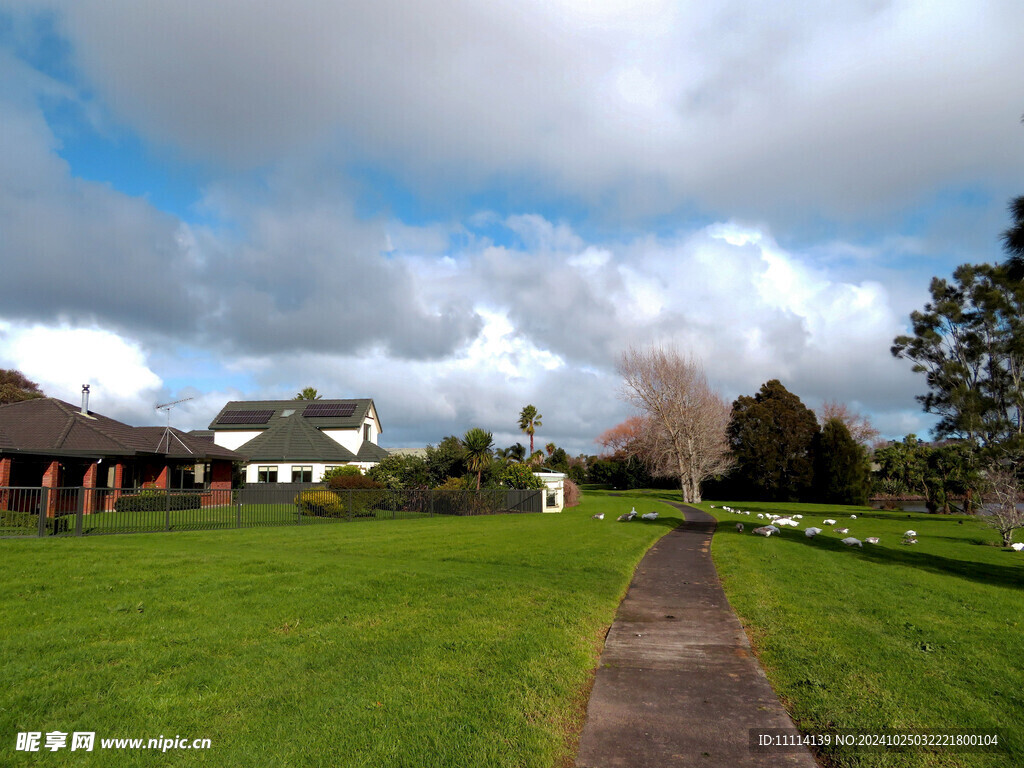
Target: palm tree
(529,420)
(550,448)
(477,444)
(309,393)
(515,452)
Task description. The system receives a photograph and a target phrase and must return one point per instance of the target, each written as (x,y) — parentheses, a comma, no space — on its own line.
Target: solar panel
(245,417)
(329,410)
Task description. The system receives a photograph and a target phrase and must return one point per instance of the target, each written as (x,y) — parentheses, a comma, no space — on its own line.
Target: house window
(302,474)
(267,475)
(552,498)
(366,431)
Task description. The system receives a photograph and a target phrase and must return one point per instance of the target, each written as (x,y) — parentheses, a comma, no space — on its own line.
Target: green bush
(346,470)
(320,502)
(520,476)
(156,501)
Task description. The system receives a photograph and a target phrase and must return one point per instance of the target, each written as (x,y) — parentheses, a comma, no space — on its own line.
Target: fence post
(44,501)
(348,510)
(80,511)
(238,513)
(167,514)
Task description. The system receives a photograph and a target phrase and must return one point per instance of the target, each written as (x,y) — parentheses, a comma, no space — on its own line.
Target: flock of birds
(910,537)
(631,515)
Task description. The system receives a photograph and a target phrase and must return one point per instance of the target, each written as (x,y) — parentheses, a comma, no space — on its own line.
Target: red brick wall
(5,480)
(51,479)
(89,488)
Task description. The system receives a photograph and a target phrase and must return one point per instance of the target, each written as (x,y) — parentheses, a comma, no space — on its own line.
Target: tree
(841,470)
(515,452)
(398,471)
(309,393)
(1003,495)
(623,439)
(445,460)
(772,438)
(1013,241)
(859,426)
(969,343)
(520,476)
(477,444)
(903,466)
(529,420)
(685,419)
(15,387)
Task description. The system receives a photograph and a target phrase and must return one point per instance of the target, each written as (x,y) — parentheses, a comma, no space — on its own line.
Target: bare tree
(685,420)
(1002,494)
(861,429)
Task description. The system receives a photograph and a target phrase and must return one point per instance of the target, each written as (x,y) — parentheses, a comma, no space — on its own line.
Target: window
(267,475)
(552,498)
(302,474)
(366,431)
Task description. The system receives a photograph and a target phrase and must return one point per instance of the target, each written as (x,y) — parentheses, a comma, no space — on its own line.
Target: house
(297,441)
(49,443)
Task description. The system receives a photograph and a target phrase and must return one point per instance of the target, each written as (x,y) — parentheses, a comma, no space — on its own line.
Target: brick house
(49,443)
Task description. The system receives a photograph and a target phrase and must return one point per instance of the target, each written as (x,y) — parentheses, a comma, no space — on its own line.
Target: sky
(460,208)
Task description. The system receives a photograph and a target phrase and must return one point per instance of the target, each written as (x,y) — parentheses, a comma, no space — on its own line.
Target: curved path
(677,683)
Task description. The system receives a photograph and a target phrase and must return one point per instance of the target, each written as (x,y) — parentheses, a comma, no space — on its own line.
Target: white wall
(284,469)
(554,482)
(233,439)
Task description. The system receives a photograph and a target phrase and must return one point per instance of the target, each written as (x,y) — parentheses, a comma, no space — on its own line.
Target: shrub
(12,519)
(456,484)
(571,493)
(157,501)
(366,494)
(354,482)
(320,502)
(520,476)
(346,470)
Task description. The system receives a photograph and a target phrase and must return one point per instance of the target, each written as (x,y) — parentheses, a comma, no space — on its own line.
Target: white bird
(852,542)
(1017,547)
(871,539)
(798,517)
(853,517)
(811,532)
(842,530)
(760,515)
(908,534)
(650,516)
(830,521)
(739,527)
(713,506)
(627,517)
(773,517)
(598,516)
(766,530)
(909,541)
(786,521)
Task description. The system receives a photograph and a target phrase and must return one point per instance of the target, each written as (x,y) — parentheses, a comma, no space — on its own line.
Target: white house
(296,441)
(554,490)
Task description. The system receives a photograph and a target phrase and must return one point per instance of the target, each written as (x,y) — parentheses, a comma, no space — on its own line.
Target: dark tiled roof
(370,452)
(293,438)
(50,426)
(361,409)
(182,445)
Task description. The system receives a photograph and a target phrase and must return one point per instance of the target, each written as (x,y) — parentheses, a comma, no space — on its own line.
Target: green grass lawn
(434,642)
(918,637)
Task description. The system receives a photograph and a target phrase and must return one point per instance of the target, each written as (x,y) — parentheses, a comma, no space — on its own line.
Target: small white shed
(554,485)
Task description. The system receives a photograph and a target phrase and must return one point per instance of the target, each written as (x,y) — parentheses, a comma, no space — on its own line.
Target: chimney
(85,399)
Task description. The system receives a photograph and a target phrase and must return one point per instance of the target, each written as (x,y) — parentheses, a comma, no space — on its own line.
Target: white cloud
(61,359)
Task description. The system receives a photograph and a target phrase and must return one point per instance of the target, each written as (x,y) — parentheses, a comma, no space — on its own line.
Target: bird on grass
(830,521)
(812,532)
(871,539)
(628,516)
(598,516)
(649,516)
(852,542)
(1017,547)
(842,530)
(910,534)
(766,530)
(739,527)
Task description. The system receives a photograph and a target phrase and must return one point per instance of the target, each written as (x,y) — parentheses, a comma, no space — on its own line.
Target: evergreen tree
(15,387)
(841,473)
(772,438)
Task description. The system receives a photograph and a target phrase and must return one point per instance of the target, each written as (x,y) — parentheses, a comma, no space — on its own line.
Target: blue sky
(459,209)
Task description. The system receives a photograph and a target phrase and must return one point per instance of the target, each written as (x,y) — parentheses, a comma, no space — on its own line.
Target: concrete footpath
(677,684)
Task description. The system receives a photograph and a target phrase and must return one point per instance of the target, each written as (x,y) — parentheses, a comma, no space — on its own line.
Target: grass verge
(436,642)
(914,638)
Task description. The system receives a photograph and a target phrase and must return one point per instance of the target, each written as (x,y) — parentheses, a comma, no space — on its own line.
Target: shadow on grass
(985,573)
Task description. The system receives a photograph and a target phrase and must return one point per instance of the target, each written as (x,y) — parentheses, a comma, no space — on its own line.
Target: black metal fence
(33,512)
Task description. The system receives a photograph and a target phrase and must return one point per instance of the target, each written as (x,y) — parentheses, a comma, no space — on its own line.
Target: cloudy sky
(461,207)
